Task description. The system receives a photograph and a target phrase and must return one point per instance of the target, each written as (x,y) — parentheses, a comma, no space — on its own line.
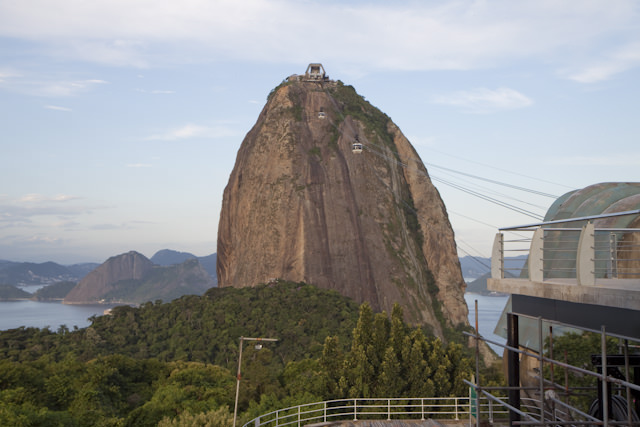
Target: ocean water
(489,311)
(14,314)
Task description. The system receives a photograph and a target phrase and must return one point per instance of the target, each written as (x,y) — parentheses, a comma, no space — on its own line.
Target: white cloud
(483,101)
(156,91)
(48,86)
(621,60)
(139,165)
(57,108)
(25,209)
(64,88)
(38,239)
(615,160)
(407,35)
(189,131)
(40,198)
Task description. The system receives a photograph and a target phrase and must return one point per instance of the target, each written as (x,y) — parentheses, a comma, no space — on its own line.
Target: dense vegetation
(56,291)
(576,349)
(175,363)
(8,292)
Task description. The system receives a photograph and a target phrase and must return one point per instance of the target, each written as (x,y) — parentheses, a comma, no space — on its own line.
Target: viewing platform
(576,271)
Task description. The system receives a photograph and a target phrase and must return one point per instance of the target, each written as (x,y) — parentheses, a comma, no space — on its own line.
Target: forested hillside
(139,366)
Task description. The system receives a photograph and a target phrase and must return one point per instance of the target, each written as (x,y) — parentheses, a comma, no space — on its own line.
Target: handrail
(564,221)
(587,254)
(355,409)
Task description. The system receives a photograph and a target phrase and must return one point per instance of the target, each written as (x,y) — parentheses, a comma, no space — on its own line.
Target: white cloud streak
(406,35)
(619,61)
(485,101)
(616,160)
(48,87)
(190,131)
(24,209)
(57,108)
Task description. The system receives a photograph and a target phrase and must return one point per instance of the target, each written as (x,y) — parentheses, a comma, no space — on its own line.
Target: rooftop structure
(315,72)
(582,274)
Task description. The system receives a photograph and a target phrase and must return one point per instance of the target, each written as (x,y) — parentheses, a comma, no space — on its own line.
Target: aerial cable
(467,190)
(493,227)
(476,259)
(405,165)
(497,193)
(477,177)
(501,169)
(540,193)
(457,239)
(490,199)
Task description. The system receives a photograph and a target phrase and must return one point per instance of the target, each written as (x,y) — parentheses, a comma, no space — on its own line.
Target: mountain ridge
(133,278)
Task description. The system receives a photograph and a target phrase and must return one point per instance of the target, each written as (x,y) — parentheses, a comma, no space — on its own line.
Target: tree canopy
(174,363)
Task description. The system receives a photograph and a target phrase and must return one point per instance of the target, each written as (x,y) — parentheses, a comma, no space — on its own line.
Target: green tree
(220,417)
(331,363)
(391,382)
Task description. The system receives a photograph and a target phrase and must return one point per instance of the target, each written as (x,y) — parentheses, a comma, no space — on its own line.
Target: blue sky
(120,120)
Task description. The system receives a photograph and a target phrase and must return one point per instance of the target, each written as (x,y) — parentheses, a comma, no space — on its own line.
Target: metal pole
(477,368)
(513,367)
(627,379)
(541,367)
(605,384)
(235,408)
(238,375)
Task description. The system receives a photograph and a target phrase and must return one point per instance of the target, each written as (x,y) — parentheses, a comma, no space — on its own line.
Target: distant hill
(209,263)
(167,257)
(133,278)
(49,273)
(479,286)
(46,273)
(81,270)
(476,267)
(57,291)
(8,293)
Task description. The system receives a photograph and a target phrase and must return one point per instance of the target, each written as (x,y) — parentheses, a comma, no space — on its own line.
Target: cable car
(356,147)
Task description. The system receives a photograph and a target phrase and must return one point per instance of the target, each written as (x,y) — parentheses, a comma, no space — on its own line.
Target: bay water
(489,311)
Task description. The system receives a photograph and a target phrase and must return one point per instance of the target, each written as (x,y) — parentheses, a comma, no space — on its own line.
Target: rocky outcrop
(302,206)
(133,278)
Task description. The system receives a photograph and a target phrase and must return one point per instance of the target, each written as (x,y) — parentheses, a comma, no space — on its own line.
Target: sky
(120,120)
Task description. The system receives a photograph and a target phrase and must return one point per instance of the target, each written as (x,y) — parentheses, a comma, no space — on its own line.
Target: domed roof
(598,199)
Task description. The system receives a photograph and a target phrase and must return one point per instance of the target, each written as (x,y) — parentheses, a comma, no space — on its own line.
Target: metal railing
(451,408)
(550,403)
(555,251)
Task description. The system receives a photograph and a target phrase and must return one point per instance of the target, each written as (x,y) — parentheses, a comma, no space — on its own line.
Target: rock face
(301,205)
(133,278)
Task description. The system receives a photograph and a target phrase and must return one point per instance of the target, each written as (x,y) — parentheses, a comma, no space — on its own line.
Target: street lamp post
(258,347)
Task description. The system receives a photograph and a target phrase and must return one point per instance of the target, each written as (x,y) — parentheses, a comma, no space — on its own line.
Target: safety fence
(451,408)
